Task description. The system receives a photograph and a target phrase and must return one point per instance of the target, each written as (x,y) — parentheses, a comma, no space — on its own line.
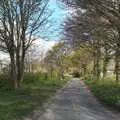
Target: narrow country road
(75,102)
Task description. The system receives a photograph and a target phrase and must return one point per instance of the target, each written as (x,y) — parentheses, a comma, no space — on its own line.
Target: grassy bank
(106,90)
(38,88)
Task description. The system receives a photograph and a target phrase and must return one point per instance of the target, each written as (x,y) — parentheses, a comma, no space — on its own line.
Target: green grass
(14,104)
(105,90)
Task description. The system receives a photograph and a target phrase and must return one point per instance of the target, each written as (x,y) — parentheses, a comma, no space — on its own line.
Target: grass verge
(14,104)
(106,90)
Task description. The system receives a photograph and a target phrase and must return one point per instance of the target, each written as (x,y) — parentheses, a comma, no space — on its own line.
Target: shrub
(3,80)
(31,78)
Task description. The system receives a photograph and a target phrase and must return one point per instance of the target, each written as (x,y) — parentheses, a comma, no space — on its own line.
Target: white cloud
(41,46)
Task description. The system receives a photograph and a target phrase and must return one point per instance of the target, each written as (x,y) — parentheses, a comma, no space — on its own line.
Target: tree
(110,10)
(20,21)
(57,60)
(100,19)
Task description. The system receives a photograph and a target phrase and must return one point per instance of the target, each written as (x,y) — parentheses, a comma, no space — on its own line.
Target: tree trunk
(20,68)
(21,73)
(84,67)
(21,76)
(18,65)
(13,74)
(117,59)
(117,66)
(96,67)
(62,74)
(105,64)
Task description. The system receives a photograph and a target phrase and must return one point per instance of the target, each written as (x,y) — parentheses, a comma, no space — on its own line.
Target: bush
(35,77)
(33,80)
(3,80)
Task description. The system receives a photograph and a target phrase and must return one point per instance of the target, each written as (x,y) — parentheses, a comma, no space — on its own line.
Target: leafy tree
(99,20)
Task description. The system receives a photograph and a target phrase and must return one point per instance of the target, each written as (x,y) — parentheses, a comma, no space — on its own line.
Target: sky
(57,18)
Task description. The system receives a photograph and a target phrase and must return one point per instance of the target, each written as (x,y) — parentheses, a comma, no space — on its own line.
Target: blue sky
(57,19)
